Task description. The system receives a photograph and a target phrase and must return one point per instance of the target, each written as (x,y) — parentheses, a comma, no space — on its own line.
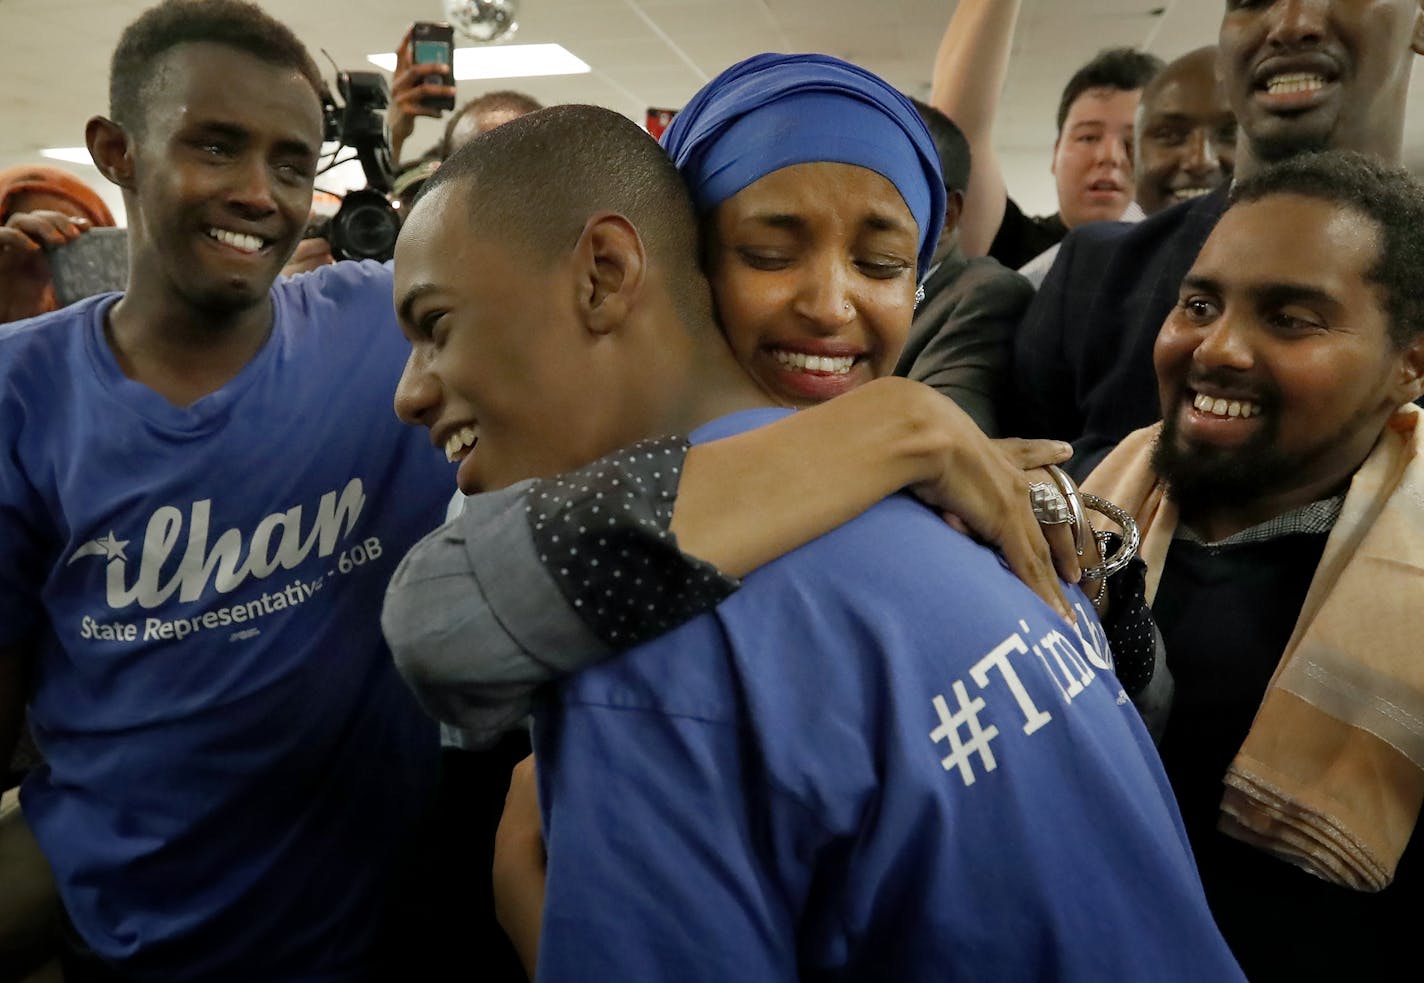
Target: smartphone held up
(433,43)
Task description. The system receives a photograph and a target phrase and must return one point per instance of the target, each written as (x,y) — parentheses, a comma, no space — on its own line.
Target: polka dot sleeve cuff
(602,534)
(1130,627)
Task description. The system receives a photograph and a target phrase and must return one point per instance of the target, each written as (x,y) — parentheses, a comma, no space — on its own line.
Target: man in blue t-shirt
(203,495)
(884,758)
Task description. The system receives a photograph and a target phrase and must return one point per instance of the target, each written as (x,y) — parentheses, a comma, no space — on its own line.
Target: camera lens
(365,227)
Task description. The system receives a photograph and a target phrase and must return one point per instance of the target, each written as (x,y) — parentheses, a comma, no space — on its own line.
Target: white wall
(1027,177)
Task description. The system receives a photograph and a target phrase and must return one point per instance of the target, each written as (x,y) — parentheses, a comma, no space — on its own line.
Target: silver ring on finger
(1077,517)
(1049,505)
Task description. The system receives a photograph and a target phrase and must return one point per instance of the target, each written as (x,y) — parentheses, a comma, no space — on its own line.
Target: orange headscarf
(16,181)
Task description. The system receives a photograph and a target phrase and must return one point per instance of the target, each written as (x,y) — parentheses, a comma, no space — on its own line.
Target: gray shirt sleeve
(476,622)
(544,578)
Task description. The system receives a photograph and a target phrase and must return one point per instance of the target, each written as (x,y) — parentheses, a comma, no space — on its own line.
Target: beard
(1208,480)
(1203,479)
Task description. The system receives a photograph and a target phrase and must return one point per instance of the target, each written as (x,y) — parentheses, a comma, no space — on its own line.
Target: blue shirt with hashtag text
(884,758)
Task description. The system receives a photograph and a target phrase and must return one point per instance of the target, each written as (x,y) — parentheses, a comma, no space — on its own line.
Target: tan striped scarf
(1331,775)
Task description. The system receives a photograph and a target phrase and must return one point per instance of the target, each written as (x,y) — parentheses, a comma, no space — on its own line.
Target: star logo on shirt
(110,547)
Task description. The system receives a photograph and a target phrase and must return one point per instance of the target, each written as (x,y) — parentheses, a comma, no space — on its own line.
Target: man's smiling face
(499,370)
(224,163)
(1186,140)
(1326,74)
(1276,368)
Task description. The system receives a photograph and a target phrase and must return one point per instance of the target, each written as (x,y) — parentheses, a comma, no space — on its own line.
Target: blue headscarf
(772,111)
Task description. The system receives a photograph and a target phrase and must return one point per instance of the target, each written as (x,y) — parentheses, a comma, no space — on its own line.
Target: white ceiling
(643,53)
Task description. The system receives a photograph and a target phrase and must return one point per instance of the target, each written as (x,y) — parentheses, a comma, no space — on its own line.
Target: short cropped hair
(950,144)
(234,23)
(1123,69)
(536,180)
(500,101)
(1390,197)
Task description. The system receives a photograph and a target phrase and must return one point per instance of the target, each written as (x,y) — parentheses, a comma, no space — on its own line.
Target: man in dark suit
(1300,77)
(962,336)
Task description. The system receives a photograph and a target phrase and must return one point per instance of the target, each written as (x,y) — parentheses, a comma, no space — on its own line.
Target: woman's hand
(1031,457)
(982,488)
(1060,541)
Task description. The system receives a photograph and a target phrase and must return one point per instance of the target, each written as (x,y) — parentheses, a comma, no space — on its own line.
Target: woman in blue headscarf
(822,202)
(822,199)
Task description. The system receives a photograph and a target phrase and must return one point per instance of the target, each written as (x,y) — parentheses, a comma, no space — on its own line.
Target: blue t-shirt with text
(884,758)
(232,761)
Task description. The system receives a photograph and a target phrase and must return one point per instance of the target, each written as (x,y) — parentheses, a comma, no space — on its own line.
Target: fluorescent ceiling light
(505,61)
(74,155)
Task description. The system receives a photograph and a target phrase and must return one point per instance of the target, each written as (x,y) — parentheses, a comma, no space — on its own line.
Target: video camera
(366,225)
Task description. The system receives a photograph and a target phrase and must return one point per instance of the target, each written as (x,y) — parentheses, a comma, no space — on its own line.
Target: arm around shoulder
(748,499)
(507,596)
(475,621)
